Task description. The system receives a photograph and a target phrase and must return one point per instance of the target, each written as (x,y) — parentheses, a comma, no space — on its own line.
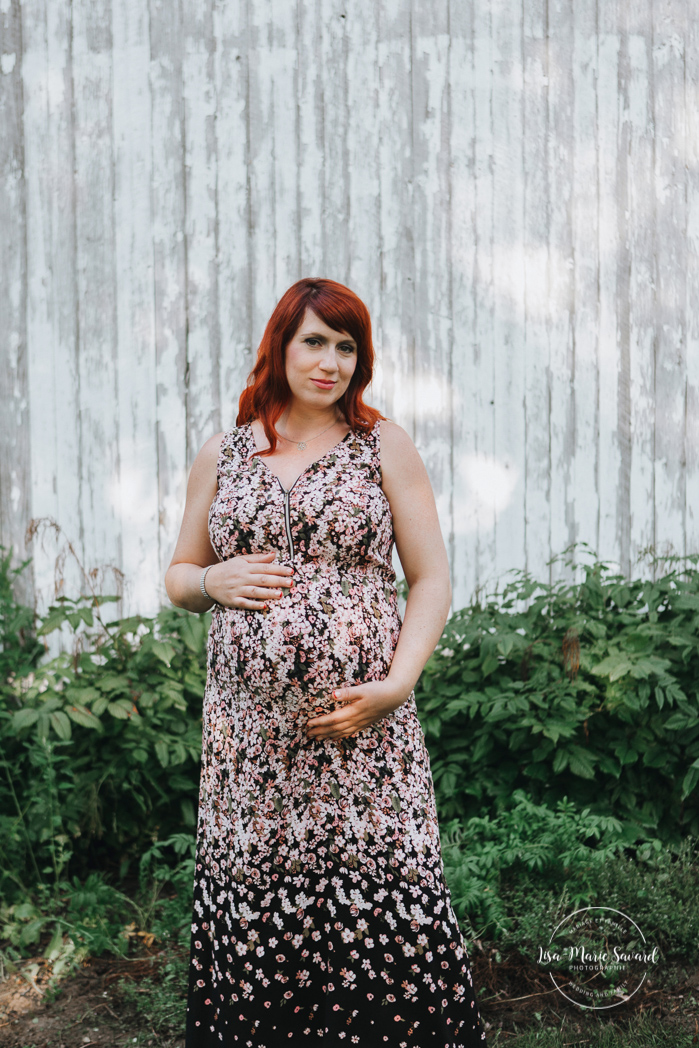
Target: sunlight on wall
(489,484)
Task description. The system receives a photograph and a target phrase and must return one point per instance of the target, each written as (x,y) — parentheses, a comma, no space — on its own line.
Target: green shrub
(505,705)
(525,843)
(19,648)
(100,747)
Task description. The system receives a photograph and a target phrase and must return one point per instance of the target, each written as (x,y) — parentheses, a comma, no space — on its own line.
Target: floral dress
(321,914)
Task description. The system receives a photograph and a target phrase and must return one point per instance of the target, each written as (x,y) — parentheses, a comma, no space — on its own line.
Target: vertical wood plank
(169,268)
(508,347)
(201,232)
(335,199)
(136,376)
(363,225)
(669,27)
(561,280)
(536,270)
(14,430)
(585,248)
(435,398)
(462,218)
(282,67)
(51,306)
(232,62)
(261,173)
(96,292)
(609,545)
(397,322)
(691,107)
(309,101)
(641,237)
(479,469)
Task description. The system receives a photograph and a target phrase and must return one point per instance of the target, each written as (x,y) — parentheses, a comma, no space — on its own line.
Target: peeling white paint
(526,239)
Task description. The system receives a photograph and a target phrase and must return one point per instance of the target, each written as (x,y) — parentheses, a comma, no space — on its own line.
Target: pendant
(301,445)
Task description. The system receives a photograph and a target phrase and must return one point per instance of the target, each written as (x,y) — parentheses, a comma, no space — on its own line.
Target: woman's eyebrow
(315,334)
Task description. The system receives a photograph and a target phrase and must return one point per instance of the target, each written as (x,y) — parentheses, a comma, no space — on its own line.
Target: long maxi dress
(321,915)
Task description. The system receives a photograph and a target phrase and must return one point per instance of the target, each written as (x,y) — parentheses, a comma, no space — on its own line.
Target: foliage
(19,647)
(161,1002)
(526,842)
(513,878)
(587,691)
(70,921)
(100,747)
(561,721)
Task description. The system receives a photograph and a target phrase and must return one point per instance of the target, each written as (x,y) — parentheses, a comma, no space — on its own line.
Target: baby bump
(328,631)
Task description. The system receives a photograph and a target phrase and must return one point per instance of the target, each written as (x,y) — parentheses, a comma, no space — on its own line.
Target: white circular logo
(597,957)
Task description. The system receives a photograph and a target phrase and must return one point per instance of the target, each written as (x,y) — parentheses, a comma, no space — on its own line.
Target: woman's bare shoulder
(204,467)
(395,441)
(400,459)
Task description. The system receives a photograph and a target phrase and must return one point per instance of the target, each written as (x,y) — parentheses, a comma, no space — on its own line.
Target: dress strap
(374,439)
(227,454)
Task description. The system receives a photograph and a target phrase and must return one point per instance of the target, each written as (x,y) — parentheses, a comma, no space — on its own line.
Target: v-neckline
(266,465)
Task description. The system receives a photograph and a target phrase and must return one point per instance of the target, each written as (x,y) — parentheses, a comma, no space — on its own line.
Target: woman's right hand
(248,581)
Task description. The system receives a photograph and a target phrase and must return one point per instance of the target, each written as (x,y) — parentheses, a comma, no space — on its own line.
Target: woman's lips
(323,385)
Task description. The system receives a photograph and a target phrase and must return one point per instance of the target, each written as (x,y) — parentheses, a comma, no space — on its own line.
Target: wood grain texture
(52,325)
(168,203)
(15,451)
(515,195)
(96,478)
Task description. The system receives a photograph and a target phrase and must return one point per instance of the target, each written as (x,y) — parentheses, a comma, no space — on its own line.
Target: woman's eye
(313,342)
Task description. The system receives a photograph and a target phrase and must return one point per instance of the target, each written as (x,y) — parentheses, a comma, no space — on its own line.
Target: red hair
(267,391)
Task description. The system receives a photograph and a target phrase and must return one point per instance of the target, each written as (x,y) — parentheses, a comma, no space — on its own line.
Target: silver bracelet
(202,587)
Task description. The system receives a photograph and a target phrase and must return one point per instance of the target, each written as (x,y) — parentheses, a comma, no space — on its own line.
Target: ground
(115,1003)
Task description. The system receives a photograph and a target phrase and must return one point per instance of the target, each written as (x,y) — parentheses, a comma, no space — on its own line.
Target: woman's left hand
(358,707)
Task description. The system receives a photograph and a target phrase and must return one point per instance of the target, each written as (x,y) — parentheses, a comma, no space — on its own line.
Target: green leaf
(61,724)
(84,717)
(163,650)
(690,781)
(24,718)
(560,760)
(490,663)
(580,763)
(614,667)
(677,722)
(121,709)
(193,633)
(100,705)
(506,644)
(114,682)
(162,753)
(31,932)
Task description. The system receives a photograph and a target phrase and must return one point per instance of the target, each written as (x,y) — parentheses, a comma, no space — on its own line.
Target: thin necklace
(301,444)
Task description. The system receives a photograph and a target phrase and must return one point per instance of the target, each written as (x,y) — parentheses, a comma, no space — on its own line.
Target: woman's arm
(193,551)
(423,555)
(247,581)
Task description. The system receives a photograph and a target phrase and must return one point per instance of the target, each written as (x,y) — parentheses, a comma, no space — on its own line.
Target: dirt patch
(90,1011)
(87,1012)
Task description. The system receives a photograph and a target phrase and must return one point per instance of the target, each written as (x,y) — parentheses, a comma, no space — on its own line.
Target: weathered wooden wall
(513,191)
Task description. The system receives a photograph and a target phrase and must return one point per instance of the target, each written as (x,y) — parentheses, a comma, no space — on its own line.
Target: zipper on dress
(287,519)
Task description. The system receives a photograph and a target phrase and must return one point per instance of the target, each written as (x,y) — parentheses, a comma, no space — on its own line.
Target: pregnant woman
(321,915)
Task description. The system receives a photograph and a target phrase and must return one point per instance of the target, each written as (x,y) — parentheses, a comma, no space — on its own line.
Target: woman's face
(318,352)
